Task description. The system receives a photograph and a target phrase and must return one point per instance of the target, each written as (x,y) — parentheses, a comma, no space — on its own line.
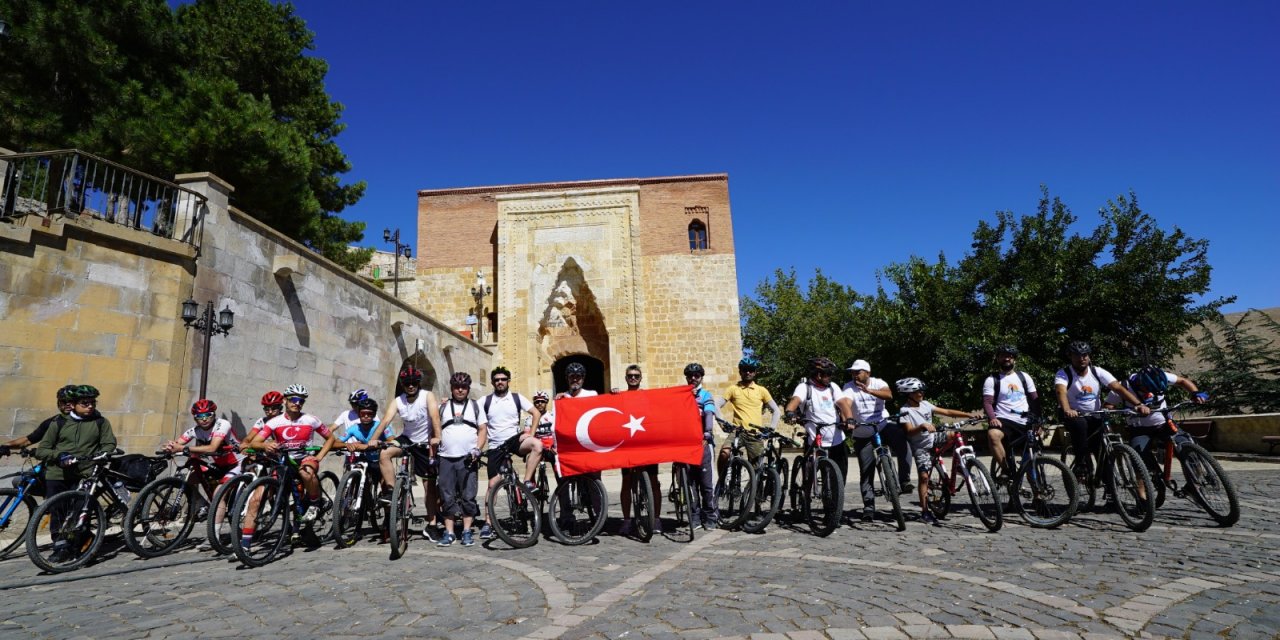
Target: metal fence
(73,183)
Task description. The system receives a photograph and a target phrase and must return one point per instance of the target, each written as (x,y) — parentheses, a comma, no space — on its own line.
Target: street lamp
(203,322)
(387,236)
(479,292)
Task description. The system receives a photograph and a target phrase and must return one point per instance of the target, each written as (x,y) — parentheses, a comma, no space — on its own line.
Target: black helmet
(1007,348)
(694,369)
(368,404)
(821,364)
(1079,348)
(575,369)
(460,379)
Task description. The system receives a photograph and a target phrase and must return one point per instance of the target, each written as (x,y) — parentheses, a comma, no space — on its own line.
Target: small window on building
(697,236)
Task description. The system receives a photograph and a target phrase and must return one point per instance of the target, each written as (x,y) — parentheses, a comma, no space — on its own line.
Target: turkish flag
(628,429)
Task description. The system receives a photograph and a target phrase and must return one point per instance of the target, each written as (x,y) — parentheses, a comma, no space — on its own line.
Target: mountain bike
(817,487)
(680,495)
(579,508)
(886,470)
(17,503)
(736,486)
(224,501)
(967,472)
(274,500)
(641,498)
(1126,477)
(166,510)
(400,511)
(78,519)
(771,472)
(356,502)
(1041,488)
(514,513)
(1207,484)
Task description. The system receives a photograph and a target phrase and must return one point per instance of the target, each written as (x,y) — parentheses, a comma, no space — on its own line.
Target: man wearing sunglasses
(68,447)
(633,376)
(213,437)
(419,412)
(294,429)
(508,435)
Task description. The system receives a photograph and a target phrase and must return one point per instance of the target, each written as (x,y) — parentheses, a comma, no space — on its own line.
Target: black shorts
(493,457)
(421,459)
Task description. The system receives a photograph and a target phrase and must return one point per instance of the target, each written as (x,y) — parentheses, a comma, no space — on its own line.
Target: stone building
(602,272)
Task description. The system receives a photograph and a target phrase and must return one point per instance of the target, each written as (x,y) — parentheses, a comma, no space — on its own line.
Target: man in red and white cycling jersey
(293,430)
(212,440)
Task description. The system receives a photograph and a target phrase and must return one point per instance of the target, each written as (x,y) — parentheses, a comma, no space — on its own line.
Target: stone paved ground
(1093,578)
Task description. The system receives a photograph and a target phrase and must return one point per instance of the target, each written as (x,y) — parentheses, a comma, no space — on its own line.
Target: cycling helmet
(84,392)
(367,404)
(822,364)
(694,369)
(542,395)
(357,396)
(204,406)
(1007,348)
(500,369)
(272,398)
(295,390)
(575,369)
(909,385)
(1150,379)
(1079,348)
(749,362)
(410,374)
(65,393)
(460,379)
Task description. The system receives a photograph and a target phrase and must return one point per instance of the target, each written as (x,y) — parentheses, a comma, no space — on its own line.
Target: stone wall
(690,317)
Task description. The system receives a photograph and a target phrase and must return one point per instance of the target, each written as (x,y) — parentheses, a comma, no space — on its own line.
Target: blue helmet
(749,362)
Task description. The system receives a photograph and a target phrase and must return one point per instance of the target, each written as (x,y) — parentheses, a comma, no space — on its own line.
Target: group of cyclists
(450,439)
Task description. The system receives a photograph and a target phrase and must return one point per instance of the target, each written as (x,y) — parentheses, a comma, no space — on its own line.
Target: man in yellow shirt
(747,401)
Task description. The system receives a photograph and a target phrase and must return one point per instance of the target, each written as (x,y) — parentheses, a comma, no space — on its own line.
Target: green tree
(1243,372)
(217,85)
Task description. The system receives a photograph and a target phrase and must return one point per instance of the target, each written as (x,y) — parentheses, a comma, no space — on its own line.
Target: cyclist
(294,429)
(1006,394)
(63,398)
(863,398)
(710,516)
(272,406)
(366,434)
(1079,388)
(815,401)
(917,417)
(351,416)
(575,373)
(633,377)
(213,437)
(507,437)
(68,446)
(1150,384)
(460,436)
(419,412)
(747,401)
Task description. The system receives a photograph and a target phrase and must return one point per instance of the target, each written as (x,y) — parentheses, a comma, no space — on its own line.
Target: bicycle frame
(961,452)
(29,474)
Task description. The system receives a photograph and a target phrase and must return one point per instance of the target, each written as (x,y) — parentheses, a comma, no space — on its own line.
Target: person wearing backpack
(68,447)
(509,436)
(1079,387)
(1006,395)
(1150,385)
(460,436)
(814,404)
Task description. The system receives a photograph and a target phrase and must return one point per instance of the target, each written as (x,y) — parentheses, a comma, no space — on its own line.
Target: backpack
(461,419)
(995,385)
(138,470)
(1071,375)
(488,400)
(808,394)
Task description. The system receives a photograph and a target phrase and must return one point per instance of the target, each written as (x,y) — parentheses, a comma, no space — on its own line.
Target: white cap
(860,365)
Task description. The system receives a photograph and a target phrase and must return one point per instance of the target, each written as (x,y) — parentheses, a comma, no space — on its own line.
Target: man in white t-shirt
(419,411)
(864,398)
(1150,385)
(509,435)
(461,436)
(814,402)
(1079,387)
(1006,395)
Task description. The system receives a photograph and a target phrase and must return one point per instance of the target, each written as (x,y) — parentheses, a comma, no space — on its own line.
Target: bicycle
(1207,483)
(735,488)
(817,487)
(1040,487)
(515,514)
(275,501)
(771,470)
(967,472)
(16,503)
(1126,477)
(355,501)
(641,495)
(163,514)
(886,470)
(77,519)
(400,511)
(680,495)
(578,509)
(224,501)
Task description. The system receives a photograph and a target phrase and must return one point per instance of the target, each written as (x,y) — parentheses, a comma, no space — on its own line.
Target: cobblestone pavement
(1092,578)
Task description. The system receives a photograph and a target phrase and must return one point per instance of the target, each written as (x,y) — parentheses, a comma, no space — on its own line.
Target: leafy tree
(217,85)
(1243,371)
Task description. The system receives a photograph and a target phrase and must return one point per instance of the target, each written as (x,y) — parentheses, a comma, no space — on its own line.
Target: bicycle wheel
(348,509)
(320,530)
(795,489)
(1087,481)
(516,515)
(160,518)
(766,500)
(642,508)
(74,542)
(266,501)
(892,490)
(1130,485)
(16,514)
(224,500)
(939,491)
(827,501)
(1044,492)
(1209,486)
(681,498)
(578,509)
(733,493)
(398,519)
(983,498)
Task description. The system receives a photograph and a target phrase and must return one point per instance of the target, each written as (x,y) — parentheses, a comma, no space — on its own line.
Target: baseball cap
(860,365)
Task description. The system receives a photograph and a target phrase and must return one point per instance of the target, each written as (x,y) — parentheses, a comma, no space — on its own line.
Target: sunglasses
(633,376)
(365,414)
(86,403)
(296,399)
(539,401)
(693,377)
(204,416)
(502,379)
(272,407)
(458,386)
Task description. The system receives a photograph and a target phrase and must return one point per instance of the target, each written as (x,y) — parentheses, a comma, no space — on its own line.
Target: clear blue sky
(855,134)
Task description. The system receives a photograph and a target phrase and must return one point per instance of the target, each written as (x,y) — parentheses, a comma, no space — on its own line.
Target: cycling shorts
(422,466)
(493,457)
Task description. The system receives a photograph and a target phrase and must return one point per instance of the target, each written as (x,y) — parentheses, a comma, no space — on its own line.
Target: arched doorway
(596,374)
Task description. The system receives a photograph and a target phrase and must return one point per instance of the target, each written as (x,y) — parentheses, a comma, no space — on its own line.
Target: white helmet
(296,390)
(909,385)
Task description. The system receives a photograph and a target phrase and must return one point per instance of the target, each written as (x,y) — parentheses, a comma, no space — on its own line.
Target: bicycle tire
(588,508)
(681,498)
(984,499)
(828,498)
(348,509)
(320,530)
(227,493)
(1206,477)
(1087,480)
(399,516)
(160,518)
(1048,497)
(892,490)
(14,529)
(767,500)
(1130,484)
(938,494)
(273,522)
(642,506)
(734,491)
(515,515)
(84,538)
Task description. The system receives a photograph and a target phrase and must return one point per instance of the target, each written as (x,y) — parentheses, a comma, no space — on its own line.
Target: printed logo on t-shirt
(1087,394)
(1016,394)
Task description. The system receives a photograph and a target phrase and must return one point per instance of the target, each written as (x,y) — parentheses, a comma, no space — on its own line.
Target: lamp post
(387,236)
(203,322)
(479,292)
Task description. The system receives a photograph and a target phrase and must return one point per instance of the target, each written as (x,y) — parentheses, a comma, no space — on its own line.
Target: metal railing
(72,183)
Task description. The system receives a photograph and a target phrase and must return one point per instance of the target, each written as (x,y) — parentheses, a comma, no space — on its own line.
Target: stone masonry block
(83,342)
(30,336)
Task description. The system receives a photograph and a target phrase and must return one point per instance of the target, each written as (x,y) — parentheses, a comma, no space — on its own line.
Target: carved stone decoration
(571,320)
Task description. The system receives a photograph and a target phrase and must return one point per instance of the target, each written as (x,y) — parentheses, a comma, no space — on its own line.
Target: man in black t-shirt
(33,438)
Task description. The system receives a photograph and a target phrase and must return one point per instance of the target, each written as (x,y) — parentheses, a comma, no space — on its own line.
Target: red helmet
(272,398)
(410,374)
(204,406)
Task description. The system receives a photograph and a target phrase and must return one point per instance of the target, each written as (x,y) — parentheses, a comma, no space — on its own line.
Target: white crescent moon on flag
(584,430)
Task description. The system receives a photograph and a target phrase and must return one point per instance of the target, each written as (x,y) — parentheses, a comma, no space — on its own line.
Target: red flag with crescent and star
(628,429)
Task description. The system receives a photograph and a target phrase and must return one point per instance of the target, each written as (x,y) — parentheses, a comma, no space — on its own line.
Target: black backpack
(488,400)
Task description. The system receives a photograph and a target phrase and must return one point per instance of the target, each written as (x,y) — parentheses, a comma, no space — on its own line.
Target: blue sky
(854,134)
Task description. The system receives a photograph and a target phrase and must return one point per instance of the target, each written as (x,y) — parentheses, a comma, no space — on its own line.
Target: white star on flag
(634,424)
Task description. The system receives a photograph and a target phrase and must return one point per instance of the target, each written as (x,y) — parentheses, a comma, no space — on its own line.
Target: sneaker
(710,525)
(868,514)
(467,540)
(486,533)
(906,488)
(657,525)
(202,513)
(325,503)
(312,512)
(384,496)
(431,531)
(927,518)
(447,539)
(61,553)
(695,523)
(626,528)
(532,489)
